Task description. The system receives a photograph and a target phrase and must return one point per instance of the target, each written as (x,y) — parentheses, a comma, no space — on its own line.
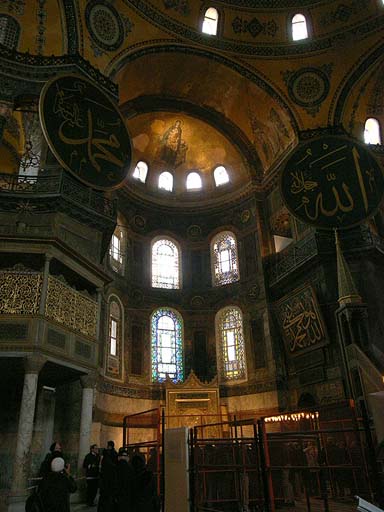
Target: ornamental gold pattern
(68,307)
(20,293)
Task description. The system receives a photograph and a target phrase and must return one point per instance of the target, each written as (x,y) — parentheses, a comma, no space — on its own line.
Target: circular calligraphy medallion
(332,182)
(85,131)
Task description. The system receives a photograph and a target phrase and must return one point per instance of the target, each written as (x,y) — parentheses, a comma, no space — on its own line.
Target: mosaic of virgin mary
(173,148)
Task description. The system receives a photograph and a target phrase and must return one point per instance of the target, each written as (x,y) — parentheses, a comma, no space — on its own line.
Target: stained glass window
(165,264)
(224,258)
(211,18)
(231,343)
(140,172)
(166,181)
(220,175)
(299,27)
(167,345)
(193,181)
(372,131)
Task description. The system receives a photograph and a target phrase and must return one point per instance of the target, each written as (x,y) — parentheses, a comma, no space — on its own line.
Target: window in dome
(224,259)
(140,172)
(193,181)
(165,264)
(9,32)
(231,350)
(220,175)
(372,131)
(211,19)
(299,27)
(167,345)
(166,181)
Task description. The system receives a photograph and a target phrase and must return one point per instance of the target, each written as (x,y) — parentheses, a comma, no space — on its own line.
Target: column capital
(34,363)
(88,381)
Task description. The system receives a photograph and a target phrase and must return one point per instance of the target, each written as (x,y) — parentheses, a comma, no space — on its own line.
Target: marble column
(88,383)
(33,365)
(45,419)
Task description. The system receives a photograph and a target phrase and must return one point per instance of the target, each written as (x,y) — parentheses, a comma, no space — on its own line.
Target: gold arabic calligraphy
(301,324)
(96,139)
(338,199)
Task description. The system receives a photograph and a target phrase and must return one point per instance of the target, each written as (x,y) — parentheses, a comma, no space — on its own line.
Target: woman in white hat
(56,487)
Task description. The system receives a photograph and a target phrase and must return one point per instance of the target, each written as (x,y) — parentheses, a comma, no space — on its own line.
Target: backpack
(34,503)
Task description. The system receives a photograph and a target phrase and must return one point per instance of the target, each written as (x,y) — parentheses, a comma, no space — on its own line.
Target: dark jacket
(54,490)
(145,492)
(125,484)
(91,464)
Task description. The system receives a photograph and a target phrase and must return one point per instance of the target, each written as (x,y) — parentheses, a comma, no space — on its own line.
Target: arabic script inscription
(85,131)
(300,320)
(332,182)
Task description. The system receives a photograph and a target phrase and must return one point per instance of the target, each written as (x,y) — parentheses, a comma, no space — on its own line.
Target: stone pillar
(44,287)
(88,383)
(45,419)
(33,365)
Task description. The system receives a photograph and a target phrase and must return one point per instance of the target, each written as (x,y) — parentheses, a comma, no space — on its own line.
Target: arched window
(117,250)
(299,27)
(211,19)
(115,338)
(372,131)
(165,264)
(9,32)
(167,345)
(193,181)
(220,175)
(230,343)
(140,172)
(166,181)
(225,267)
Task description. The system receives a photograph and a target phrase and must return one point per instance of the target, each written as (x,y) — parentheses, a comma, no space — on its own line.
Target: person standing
(108,483)
(91,465)
(145,493)
(56,486)
(125,481)
(55,450)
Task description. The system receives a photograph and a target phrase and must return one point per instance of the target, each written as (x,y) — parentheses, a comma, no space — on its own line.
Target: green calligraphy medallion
(85,131)
(332,182)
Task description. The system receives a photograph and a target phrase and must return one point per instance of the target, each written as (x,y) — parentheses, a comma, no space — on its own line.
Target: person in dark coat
(56,486)
(145,492)
(55,450)
(108,483)
(125,482)
(91,465)
(112,451)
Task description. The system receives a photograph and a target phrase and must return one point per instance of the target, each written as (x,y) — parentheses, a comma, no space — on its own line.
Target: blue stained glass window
(167,345)
(231,343)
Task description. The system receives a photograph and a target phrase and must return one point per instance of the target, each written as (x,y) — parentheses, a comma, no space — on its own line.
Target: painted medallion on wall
(300,321)
(85,131)
(104,24)
(332,182)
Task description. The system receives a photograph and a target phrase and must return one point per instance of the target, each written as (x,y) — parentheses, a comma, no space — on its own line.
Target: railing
(291,258)
(282,264)
(58,184)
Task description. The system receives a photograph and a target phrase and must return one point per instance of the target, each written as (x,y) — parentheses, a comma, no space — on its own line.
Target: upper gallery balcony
(56,206)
